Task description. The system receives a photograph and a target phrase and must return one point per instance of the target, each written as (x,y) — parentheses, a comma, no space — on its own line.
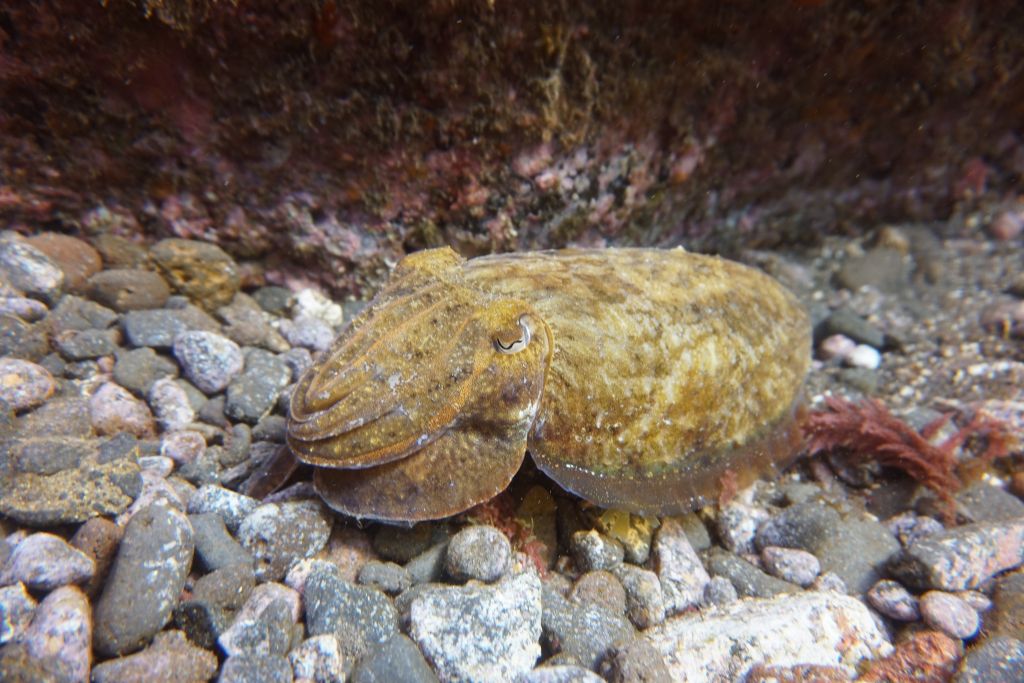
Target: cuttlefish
(638,379)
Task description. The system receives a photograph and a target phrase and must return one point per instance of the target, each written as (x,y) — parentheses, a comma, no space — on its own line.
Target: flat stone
(23,384)
(75,313)
(998,658)
(983,502)
(79,345)
(200,270)
(170,659)
(76,258)
(481,631)
(397,659)
(278,535)
(18,339)
(963,557)
(891,599)
(61,634)
(30,270)
(43,562)
(159,328)
(208,360)
(151,566)
(748,580)
(792,565)
(584,632)
(723,643)
(127,289)
(253,394)
(137,369)
(678,568)
(249,667)
(361,618)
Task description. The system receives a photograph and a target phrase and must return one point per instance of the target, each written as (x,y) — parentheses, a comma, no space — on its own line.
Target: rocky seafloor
(143,384)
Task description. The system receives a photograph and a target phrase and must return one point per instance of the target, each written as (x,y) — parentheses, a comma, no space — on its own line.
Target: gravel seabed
(137,401)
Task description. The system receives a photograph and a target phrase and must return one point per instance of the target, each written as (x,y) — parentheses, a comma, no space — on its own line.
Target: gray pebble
(43,562)
(908,527)
(278,535)
(830,582)
(645,601)
(361,618)
(74,313)
(846,322)
(254,393)
(996,658)
(883,268)
(171,658)
(268,633)
(160,327)
(215,547)
(298,361)
(719,591)
(247,325)
(737,524)
(30,270)
(584,632)
(319,659)
(592,550)
(27,309)
(308,332)
(151,566)
(271,428)
(128,289)
(396,660)
(680,571)
(949,614)
(478,552)
(208,360)
(982,502)
(428,565)
(789,564)
(21,340)
(24,384)
(748,580)
(891,599)
(274,300)
(137,369)
(202,621)
(599,588)
(87,344)
(182,447)
(232,507)
(387,576)
(480,631)
(248,668)
(171,405)
(563,673)
(401,544)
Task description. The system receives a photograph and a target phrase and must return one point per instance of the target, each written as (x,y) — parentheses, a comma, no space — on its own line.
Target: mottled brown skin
(639,379)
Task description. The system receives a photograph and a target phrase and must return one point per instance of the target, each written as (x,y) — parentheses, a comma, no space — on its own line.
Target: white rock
(723,643)
(680,571)
(864,356)
(310,302)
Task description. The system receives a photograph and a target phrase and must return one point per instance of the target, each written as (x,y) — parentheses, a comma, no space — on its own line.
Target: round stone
(891,599)
(113,409)
(208,360)
(76,258)
(790,564)
(201,271)
(949,614)
(23,384)
(478,552)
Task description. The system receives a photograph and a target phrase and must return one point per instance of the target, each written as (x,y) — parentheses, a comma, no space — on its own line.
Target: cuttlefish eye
(514,341)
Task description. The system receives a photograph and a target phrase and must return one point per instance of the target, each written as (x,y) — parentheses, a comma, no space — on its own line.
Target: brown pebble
(76,258)
(128,290)
(98,538)
(600,588)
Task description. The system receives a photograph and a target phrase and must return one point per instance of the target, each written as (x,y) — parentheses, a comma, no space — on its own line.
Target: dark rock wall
(336,135)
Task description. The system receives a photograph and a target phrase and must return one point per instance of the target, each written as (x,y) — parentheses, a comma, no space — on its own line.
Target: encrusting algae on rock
(640,379)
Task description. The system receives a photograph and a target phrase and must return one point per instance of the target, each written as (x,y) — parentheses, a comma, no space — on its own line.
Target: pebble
(908,527)
(159,328)
(182,447)
(478,552)
(634,532)
(1006,225)
(21,340)
(16,610)
(864,356)
(311,303)
(171,658)
(201,271)
(274,300)
(387,576)
(401,544)
(249,667)
(128,289)
(719,591)
(361,618)
(891,599)
(137,369)
(961,558)
(171,405)
(580,633)
(75,313)
(796,566)
(113,410)
(830,582)
(76,258)
(27,309)
(847,323)
(308,332)
(98,538)
(949,614)
(645,600)
(215,547)
(396,660)
(246,325)
(882,268)
(77,345)
(278,535)
(737,524)
(725,643)
(749,580)
(593,551)
(429,565)
(151,565)
(43,562)
(268,632)
(601,589)
(60,635)
(29,269)
(23,384)
(679,570)
(486,632)
(319,659)
(208,360)
(837,346)
(254,393)
(983,502)
(997,658)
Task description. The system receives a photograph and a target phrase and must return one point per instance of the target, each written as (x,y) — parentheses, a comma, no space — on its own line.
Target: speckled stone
(908,527)
(581,632)
(208,360)
(22,307)
(43,562)
(599,588)
(748,580)
(200,270)
(645,601)
(23,384)
(16,610)
(21,340)
(60,635)
(678,568)
(949,614)
(171,405)
(29,269)
(278,535)
(267,633)
(387,576)
(254,393)
(151,566)
(76,258)
(231,506)
(246,324)
(76,345)
(249,667)
(170,659)
(159,328)
(737,524)
(481,631)
(998,658)
(963,557)
(137,369)
(127,289)
(215,547)
(478,552)
(789,564)
(361,618)
(719,591)
(891,599)
(308,332)
(592,551)
(113,410)
(319,659)
(982,502)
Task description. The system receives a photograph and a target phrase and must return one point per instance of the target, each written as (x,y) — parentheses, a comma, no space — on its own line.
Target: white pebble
(864,356)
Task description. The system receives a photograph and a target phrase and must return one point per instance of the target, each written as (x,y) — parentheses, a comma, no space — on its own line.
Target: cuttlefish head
(421,408)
